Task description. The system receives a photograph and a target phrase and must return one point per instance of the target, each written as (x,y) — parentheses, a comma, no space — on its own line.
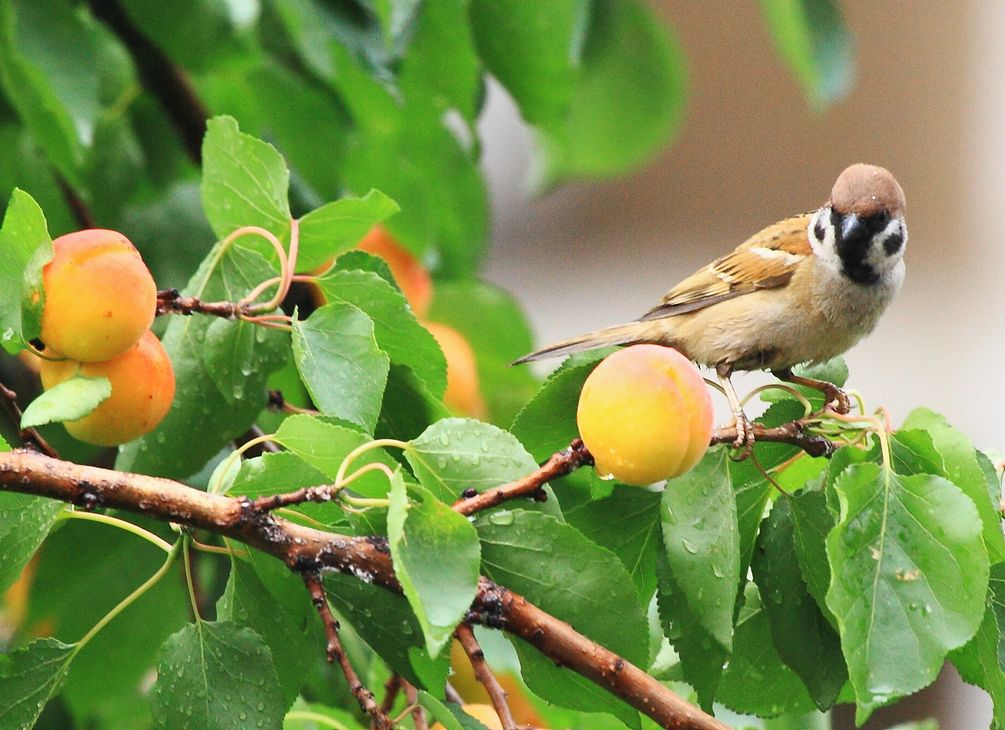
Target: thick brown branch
(335,653)
(30,437)
(308,551)
(160,75)
(560,464)
(497,695)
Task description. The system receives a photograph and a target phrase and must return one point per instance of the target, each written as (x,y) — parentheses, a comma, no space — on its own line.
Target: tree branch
(497,695)
(170,301)
(30,437)
(308,550)
(793,433)
(335,652)
(160,75)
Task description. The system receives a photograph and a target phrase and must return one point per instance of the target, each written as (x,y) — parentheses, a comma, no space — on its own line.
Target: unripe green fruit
(99,296)
(142,381)
(645,414)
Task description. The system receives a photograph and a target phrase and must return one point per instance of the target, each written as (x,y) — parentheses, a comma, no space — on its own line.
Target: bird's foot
(836,399)
(744,432)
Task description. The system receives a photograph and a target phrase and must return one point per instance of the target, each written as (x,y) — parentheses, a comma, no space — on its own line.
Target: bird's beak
(852,228)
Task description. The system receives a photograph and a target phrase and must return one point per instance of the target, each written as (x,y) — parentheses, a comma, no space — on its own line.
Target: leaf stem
(362,449)
(128,600)
(72,514)
(188,579)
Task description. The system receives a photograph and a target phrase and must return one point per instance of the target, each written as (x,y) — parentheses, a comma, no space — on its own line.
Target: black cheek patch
(818,230)
(893,243)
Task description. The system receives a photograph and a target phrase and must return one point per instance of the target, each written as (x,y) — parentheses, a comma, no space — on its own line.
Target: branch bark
(307,550)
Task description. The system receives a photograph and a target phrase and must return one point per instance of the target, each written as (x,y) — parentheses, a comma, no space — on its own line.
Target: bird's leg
(744,428)
(832,393)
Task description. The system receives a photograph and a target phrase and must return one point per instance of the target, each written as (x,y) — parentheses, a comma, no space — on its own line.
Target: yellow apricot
(411,276)
(99,296)
(463,395)
(142,381)
(645,414)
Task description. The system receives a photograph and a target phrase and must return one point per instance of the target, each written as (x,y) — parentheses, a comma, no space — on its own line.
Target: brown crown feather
(866,190)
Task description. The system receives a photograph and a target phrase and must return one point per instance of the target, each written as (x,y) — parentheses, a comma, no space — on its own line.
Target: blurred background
(928,104)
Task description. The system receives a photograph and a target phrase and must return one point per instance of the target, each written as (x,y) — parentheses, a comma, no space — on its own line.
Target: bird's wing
(764,261)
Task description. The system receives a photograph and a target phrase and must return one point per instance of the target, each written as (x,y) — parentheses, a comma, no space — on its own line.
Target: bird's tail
(622,334)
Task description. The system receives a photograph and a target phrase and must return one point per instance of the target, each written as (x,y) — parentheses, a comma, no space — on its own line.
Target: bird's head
(861,229)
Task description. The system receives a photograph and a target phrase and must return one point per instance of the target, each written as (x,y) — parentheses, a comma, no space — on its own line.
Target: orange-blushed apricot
(142,381)
(411,276)
(463,394)
(645,414)
(99,296)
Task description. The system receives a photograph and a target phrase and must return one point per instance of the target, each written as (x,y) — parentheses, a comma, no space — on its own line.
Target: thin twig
(75,203)
(391,688)
(560,464)
(170,301)
(29,437)
(476,656)
(418,713)
(335,652)
(276,402)
(793,433)
(160,75)
(453,695)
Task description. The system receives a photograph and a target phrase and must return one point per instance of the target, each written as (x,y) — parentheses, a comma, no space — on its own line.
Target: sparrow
(802,290)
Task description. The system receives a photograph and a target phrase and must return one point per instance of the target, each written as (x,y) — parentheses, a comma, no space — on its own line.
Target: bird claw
(837,400)
(744,432)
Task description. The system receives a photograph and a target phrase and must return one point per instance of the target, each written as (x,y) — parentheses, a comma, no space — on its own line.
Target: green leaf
(67,401)
(338,358)
(436,558)
(29,677)
(548,422)
(960,465)
(496,327)
(625,106)
(811,522)
(386,622)
(801,634)
(756,682)
(49,71)
(534,50)
(752,489)
(628,524)
(701,656)
(578,582)
(813,40)
(449,716)
(978,664)
(25,522)
(309,719)
(908,579)
(24,240)
(229,355)
(283,472)
(456,454)
(325,445)
(409,408)
(83,571)
(395,327)
(338,226)
(244,181)
(440,69)
(175,448)
(698,514)
(246,601)
(216,675)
